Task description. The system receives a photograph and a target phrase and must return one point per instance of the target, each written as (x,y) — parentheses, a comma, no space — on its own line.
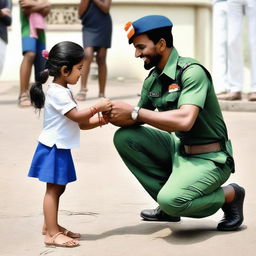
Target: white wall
(190,18)
(121,55)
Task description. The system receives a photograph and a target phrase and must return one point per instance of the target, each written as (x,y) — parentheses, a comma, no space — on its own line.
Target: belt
(201,149)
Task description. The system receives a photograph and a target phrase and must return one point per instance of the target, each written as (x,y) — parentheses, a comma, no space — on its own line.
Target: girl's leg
(50,206)
(102,70)
(85,73)
(60,228)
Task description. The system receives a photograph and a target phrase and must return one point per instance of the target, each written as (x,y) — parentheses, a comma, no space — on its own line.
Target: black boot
(157,215)
(233,212)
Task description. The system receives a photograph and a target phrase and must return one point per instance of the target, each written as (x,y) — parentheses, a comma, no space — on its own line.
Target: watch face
(134,115)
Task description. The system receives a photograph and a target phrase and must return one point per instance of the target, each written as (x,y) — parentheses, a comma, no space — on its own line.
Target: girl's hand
(106,116)
(104,105)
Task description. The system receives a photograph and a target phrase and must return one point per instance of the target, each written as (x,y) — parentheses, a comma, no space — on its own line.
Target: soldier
(183,172)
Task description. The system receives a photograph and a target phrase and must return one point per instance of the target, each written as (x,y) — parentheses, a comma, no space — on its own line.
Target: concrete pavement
(105,202)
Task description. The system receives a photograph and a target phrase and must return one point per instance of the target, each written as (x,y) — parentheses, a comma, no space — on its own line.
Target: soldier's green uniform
(182,184)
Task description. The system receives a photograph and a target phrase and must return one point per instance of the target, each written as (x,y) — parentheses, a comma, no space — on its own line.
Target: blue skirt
(52,165)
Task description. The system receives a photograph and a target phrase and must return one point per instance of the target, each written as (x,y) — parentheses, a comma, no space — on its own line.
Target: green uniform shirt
(160,91)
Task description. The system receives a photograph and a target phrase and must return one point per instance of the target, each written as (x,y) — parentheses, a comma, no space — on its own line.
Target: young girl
(52,161)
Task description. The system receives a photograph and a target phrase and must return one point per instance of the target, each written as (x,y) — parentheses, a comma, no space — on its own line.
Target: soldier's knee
(121,137)
(126,139)
(171,204)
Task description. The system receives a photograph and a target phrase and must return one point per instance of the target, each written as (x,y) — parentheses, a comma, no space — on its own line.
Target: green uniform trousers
(182,185)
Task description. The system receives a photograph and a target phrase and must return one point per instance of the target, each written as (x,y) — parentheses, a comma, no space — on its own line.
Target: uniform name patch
(154,94)
(173,88)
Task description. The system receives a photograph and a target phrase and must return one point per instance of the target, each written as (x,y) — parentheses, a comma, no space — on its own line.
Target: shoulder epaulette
(184,65)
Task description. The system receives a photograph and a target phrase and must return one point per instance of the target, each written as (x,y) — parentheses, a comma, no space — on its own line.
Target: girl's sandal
(71,234)
(81,96)
(24,101)
(67,233)
(53,241)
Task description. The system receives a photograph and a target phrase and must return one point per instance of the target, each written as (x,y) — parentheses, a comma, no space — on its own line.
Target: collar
(171,65)
(58,86)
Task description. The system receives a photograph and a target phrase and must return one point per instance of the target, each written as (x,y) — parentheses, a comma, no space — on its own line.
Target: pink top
(36,21)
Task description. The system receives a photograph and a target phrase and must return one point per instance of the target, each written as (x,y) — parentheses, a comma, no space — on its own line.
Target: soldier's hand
(120,114)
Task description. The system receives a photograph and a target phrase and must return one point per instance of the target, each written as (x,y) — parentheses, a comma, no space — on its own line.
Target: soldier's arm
(181,119)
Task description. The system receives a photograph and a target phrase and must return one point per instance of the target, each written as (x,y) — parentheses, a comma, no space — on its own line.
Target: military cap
(145,24)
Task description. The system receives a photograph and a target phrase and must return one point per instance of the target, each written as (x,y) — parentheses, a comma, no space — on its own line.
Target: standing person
(32,45)
(97,31)
(52,162)
(220,46)
(5,21)
(236,10)
(184,172)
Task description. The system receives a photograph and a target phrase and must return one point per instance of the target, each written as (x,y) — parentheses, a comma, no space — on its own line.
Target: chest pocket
(169,101)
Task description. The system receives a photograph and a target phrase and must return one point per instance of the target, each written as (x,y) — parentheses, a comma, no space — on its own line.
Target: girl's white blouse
(57,128)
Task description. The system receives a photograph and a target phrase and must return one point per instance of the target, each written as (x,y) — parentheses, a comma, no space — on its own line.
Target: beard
(153,61)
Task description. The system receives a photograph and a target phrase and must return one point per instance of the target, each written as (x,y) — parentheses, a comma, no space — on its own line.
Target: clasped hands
(119,114)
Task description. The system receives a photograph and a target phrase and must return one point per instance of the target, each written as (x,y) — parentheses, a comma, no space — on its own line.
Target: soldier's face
(146,49)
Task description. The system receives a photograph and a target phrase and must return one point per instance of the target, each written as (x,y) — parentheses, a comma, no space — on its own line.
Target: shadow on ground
(170,232)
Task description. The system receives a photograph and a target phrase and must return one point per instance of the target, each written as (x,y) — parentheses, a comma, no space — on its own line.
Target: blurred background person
(33,42)
(220,46)
(236,10)
(5,21)
(97,32)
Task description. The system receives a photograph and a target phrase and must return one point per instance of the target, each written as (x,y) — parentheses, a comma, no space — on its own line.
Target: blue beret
(145,24)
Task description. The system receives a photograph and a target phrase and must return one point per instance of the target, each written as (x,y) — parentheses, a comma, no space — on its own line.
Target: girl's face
(75,73)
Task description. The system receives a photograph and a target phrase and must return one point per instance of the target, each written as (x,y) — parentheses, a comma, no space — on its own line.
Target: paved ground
(105,202)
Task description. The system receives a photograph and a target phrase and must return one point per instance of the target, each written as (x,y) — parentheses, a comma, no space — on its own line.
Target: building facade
(192,32)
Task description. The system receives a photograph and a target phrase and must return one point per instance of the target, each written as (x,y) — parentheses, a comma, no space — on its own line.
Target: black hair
(156,34)
(65,53)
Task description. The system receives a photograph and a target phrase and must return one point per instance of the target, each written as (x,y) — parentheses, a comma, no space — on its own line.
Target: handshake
(115,112)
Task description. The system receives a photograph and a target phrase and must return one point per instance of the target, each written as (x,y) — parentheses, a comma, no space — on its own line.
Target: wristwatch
(135,113)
